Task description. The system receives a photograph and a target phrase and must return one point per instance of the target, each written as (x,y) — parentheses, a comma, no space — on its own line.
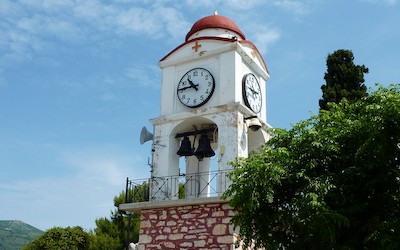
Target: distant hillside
(15,234)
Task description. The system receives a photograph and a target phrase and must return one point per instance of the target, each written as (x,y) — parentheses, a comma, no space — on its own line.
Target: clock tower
(213,110)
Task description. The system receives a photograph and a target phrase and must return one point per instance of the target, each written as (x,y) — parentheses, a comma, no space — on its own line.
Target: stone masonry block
(200,243)
(175,236)
(219,229)
(225,239)
(145,224)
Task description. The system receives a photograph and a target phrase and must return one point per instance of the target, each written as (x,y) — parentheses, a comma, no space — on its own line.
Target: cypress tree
(343,79)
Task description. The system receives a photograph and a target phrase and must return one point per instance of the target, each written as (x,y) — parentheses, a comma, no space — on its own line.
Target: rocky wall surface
(205,226)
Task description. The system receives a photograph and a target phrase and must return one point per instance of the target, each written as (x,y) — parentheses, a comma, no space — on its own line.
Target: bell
(204,149)
(186,148)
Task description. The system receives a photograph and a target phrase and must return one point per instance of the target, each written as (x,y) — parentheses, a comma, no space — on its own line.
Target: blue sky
(79,79)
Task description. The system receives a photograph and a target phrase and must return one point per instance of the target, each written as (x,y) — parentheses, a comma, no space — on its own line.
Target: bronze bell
(204,149)
(186,148)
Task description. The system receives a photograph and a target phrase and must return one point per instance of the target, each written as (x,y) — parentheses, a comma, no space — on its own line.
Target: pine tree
(343,79)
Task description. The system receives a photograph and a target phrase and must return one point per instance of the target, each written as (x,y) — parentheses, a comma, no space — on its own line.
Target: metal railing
(190,186)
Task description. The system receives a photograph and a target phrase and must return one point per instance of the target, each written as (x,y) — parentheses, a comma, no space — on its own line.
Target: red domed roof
(215,21)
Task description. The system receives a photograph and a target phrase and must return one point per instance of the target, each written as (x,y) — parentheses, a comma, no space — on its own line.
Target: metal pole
(126,190)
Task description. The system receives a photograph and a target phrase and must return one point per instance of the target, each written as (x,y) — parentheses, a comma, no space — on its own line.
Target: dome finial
(216,7)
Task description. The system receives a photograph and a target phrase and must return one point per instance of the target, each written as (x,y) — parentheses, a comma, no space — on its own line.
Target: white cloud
(32,25)
(145,75)
(220,6)
(201,3)
(9,8)
(175,25)
(154,22)
(298,7)
(92,10)
(248,4)
(101,166)
(263,36)
(139,20)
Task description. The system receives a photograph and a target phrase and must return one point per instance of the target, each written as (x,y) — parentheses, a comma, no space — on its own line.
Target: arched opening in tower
(198,167)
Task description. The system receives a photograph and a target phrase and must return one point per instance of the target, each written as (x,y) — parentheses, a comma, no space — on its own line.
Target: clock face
(252,93)
(196,87)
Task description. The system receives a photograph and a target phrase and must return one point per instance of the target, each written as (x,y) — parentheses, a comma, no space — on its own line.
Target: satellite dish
(145,135)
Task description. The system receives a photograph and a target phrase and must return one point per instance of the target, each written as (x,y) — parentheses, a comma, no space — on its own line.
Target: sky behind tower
(79,79)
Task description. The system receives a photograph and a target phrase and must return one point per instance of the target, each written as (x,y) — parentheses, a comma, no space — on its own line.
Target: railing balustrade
(189,186)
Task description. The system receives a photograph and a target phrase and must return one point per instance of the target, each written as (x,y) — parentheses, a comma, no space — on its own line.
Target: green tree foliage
(138,193)
(343,79)
(330,182)
(107,235)
(57,238)
(112,233)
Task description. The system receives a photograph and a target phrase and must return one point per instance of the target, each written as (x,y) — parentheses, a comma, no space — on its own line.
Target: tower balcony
(176,188)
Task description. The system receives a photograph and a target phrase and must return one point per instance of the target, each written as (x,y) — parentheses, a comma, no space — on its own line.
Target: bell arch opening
(197,140)
(256,139)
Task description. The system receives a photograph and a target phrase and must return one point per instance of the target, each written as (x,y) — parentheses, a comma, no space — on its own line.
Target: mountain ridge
(14,234)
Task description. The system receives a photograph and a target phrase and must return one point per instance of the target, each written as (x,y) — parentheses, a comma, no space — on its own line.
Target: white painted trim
(201,54)
(210,53)
(247,58)
(139,206)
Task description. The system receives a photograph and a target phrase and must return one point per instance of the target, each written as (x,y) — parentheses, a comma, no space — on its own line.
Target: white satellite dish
(145,135)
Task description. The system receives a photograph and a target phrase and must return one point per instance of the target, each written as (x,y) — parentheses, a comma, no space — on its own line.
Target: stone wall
(205,226)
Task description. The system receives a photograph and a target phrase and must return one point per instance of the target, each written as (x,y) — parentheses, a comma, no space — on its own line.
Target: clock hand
(188,87)
(254,93)
(193,85)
